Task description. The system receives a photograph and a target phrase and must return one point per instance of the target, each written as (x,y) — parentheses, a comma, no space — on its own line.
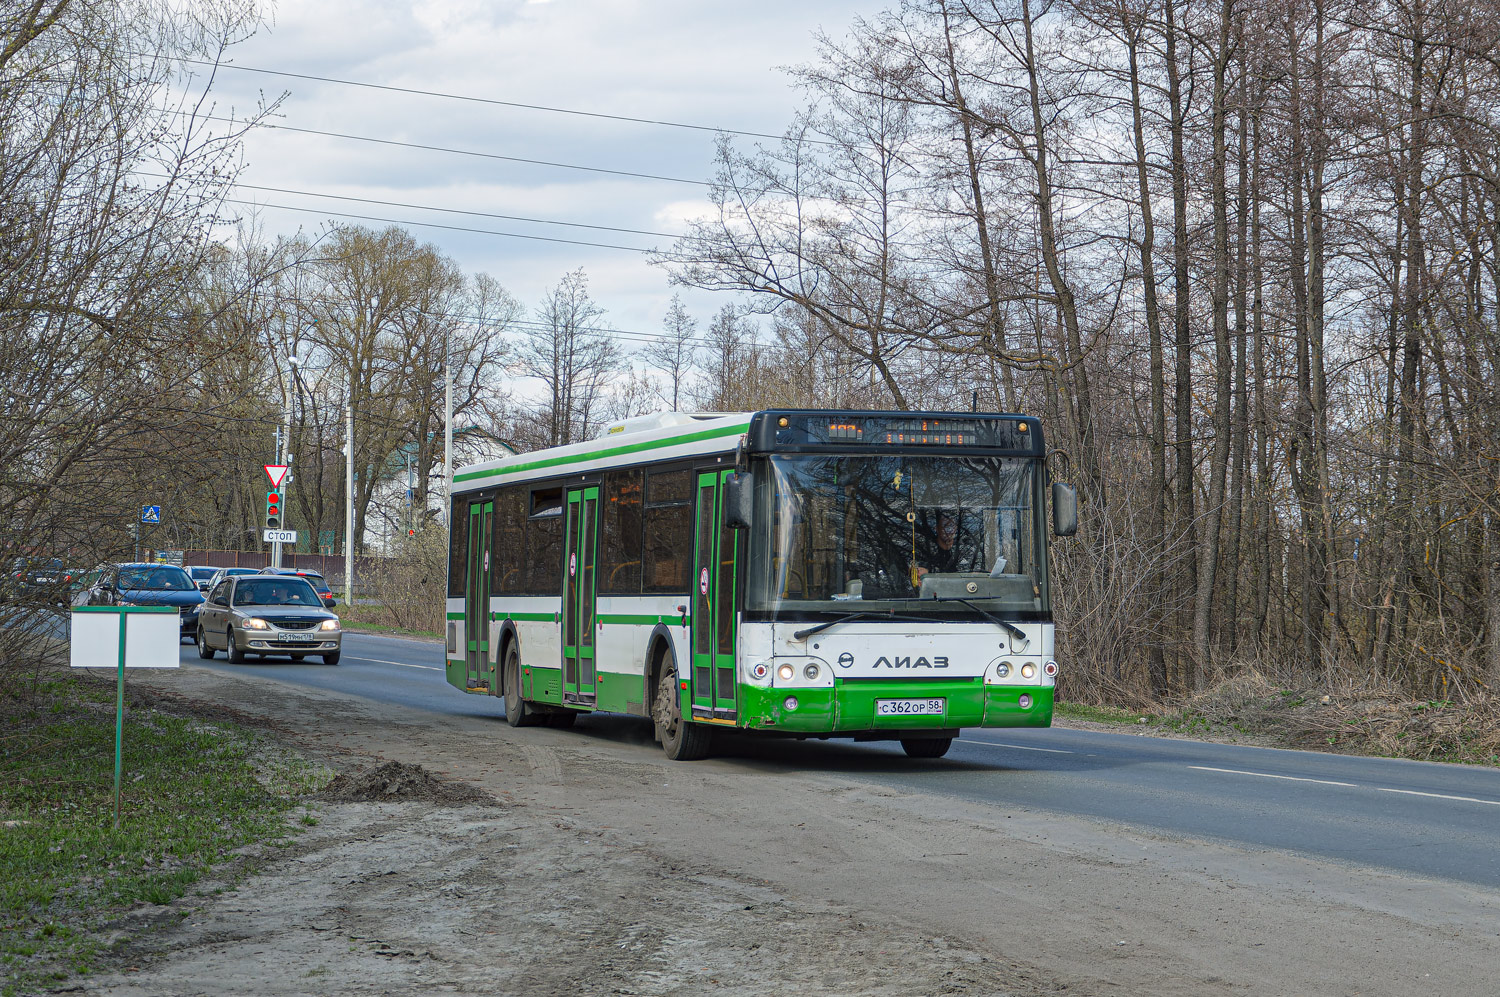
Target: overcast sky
(701,62)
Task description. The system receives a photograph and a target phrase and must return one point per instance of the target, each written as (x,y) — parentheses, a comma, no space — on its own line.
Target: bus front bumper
(850,708)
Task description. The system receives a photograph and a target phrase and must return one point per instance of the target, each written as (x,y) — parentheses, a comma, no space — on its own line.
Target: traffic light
(273,510)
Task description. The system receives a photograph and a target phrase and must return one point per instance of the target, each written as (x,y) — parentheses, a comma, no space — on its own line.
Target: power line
(633,335)
(462,152)
(450,228)
(428,207)
(489,100)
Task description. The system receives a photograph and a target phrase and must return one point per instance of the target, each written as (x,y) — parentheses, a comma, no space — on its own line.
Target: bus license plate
(909,707)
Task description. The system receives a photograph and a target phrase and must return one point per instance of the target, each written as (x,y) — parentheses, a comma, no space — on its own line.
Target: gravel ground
(496,861)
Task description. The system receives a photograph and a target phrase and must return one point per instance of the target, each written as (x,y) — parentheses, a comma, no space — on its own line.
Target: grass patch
(192,794)
(1364,718)
(1098,714)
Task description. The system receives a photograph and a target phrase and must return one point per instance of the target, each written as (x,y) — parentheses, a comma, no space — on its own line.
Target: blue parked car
(132,584)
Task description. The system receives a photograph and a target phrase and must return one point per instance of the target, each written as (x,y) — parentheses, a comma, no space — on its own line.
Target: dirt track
(602,868)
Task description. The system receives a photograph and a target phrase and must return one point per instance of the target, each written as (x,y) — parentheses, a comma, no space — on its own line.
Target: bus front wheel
(682,740)
(926,747)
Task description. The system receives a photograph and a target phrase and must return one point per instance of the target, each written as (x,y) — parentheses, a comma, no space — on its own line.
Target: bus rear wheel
(682,740)
(518,712)
(926,747)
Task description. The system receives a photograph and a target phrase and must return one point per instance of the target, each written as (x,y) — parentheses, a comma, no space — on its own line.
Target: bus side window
(509,543)
(667,558)
(458,548)
(544,543)
(620,546)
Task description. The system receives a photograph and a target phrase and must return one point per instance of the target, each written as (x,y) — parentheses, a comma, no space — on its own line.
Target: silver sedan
(267,615)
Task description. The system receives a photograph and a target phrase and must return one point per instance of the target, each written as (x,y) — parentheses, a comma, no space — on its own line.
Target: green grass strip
(191,796)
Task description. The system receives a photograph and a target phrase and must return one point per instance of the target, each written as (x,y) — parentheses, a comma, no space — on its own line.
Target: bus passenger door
(477,596)
(715,556)
(579,624)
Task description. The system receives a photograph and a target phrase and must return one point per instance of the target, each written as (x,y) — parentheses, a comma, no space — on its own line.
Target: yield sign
(276,472)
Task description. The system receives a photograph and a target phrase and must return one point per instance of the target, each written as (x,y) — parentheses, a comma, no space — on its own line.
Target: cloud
(701,63)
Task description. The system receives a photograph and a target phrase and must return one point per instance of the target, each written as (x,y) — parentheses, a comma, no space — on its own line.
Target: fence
(330,566)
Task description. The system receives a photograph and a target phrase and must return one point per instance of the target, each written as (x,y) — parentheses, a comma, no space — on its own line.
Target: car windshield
(911,533)
(202,572)
(275,591)
(163,579)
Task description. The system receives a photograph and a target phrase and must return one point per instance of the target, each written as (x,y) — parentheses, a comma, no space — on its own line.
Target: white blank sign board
(151,640)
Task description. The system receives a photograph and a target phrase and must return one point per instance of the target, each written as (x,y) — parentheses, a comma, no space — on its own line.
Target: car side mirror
(739,496)
(1064,509)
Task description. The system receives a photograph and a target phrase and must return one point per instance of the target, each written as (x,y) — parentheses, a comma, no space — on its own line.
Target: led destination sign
(879,430)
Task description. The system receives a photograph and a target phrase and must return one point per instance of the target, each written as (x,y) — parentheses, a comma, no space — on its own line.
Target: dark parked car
(33,578)
(257,614)
(139,584)
(318,583)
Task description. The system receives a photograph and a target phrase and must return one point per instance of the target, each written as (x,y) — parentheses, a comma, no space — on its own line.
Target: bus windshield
(908,533)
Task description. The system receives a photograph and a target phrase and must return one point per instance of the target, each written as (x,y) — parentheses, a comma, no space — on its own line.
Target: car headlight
(255,623)
(329,625)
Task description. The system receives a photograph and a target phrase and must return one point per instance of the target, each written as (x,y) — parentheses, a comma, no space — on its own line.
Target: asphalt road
(1410,817)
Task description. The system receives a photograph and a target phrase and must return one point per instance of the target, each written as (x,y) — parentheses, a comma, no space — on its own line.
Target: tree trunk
(1186,521)
(1156,656)
(1213,513)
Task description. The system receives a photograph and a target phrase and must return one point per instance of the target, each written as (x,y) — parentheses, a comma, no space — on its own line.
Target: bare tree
(675,352)
(99,332)
(574,361)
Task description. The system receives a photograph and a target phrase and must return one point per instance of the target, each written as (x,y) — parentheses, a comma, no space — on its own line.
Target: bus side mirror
(1064,509)
(739,494)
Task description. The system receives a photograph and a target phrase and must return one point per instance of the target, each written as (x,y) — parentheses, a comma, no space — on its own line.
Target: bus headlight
(1025,701)
(785,672)
(1002,670)
(811,671)
(791,703)
(1028,671)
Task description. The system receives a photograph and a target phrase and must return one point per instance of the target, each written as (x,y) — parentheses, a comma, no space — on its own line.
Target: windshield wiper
(807,632)
(1013,630)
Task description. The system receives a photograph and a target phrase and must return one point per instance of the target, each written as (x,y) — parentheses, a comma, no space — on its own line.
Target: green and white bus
(815,574)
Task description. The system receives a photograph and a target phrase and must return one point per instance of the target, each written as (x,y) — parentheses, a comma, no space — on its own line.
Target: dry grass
(1351,717)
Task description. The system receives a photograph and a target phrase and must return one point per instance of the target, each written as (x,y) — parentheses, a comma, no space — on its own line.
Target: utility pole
(349,496)
(447,426)
(407,453)
(286,455)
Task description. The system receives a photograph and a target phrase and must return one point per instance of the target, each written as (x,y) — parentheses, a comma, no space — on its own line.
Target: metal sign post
(100,633)
(277,473)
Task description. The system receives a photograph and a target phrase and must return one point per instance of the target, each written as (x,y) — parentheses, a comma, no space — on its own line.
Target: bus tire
(682,740)
(518,712)
(926,747)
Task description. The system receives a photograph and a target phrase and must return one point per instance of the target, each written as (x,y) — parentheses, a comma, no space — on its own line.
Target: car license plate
(910,707)
(297,637)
